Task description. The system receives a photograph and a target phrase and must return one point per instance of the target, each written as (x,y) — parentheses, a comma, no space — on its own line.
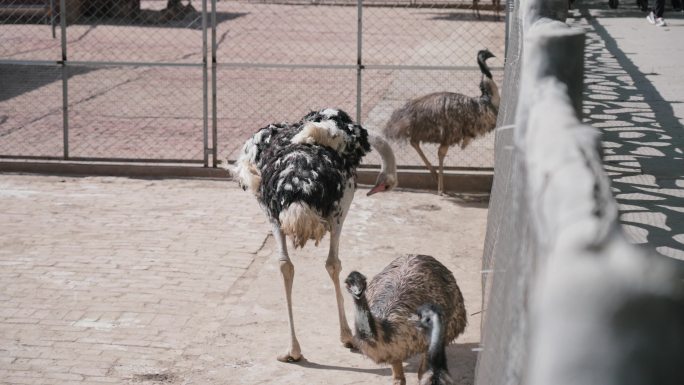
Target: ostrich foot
(287,357)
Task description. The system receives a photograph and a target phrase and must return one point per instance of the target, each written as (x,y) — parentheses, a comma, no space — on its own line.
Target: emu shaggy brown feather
(447,118)
(389,304)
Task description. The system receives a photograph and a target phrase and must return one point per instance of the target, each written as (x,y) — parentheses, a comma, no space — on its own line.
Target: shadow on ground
(642,141)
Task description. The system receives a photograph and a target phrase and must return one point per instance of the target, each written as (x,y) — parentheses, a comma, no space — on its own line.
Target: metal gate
(171,81)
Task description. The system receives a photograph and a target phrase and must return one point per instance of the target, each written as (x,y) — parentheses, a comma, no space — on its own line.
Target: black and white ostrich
(304,177)
(447,118)
(430,320)
(385,325)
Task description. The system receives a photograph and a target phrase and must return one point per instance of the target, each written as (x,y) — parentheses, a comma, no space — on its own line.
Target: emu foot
(288,358)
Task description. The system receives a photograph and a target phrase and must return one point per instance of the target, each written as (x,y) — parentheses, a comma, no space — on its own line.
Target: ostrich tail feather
(301,223)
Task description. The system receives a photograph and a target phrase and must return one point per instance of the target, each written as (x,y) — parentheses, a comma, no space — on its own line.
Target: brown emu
(385,328)
(447,118)
(430,319)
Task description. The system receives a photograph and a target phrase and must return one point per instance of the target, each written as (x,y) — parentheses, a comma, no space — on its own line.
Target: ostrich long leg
(416,145)
(294,353)
(441,153)
(334,266)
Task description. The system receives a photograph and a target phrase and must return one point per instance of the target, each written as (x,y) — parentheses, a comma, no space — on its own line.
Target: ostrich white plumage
(304,177)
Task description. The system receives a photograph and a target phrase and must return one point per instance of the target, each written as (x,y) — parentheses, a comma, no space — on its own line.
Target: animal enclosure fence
(168,81)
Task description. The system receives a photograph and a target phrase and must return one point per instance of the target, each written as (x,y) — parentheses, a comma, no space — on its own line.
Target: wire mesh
(29,30)
(251,98)
(121,112)
(276,61)
(31,110)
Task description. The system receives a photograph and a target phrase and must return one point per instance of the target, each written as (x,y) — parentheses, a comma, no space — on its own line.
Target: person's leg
(659,8)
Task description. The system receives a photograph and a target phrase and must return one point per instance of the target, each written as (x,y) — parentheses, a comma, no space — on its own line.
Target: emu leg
(334,266)
(441,153)
(294,352)
(398,377)
(422,367)
(416,145)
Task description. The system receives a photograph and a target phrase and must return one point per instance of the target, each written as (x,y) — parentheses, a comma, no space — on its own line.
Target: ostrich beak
(378,188)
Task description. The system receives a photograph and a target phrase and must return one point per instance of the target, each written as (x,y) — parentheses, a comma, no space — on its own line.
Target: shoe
(651,18)
(660,22)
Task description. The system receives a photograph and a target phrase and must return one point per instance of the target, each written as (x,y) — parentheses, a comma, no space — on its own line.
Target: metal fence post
(65,78)
(214,131)
(359,61)
(205,87)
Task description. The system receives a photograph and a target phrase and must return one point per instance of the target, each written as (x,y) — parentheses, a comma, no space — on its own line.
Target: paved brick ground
(146,281)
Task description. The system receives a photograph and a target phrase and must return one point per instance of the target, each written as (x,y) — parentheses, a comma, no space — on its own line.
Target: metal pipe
(131,64)
(214,119)
(359,58)
(205,87)
(65,79)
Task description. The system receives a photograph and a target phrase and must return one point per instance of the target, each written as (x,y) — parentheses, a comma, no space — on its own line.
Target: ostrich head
(387,178)
(482,57)
(356,284)
(384,182)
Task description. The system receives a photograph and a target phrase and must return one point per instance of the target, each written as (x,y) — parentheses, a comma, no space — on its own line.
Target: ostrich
(304,177)
(496,4)
(447,118)
(385,329)
(430,320)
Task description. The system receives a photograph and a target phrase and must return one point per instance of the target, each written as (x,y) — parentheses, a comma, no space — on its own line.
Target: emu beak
(355,292)
(378,188)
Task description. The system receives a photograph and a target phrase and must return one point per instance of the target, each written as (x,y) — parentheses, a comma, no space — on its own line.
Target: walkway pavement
(634,92)
(148,281)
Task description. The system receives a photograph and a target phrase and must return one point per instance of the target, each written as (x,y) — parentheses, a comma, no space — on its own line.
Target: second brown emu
(385,328)
(447,118)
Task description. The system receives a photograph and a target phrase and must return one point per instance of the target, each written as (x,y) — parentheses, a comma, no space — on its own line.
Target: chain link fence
(187,82)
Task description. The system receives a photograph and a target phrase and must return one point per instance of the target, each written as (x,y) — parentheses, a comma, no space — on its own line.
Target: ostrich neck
(389,163)
(364,322)
(436,354)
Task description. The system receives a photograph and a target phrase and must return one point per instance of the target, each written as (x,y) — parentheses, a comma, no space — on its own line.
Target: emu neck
(389,163)
(484,68)
(436,355)
(490,88)
(364,323)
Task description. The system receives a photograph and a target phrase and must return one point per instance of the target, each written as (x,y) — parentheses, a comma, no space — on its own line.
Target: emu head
(482,57)
(356,284)
(426,315)
(484,54)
